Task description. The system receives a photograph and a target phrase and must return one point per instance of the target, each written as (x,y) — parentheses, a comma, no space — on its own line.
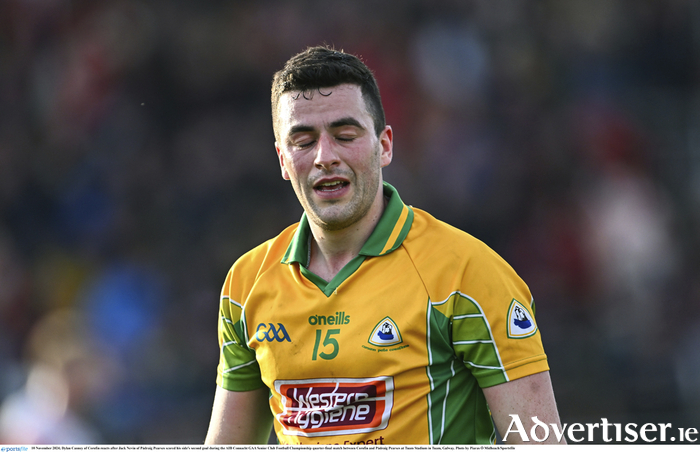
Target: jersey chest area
(337,365)
(374,323)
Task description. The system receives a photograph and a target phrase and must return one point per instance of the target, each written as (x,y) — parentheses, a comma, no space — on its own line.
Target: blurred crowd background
(137,163)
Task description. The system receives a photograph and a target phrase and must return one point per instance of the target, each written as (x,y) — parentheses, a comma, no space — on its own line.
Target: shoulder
(440,240)
(248,268)
(449,259)
(268,252)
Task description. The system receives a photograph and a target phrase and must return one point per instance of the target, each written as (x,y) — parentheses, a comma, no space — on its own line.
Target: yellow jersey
(394,349)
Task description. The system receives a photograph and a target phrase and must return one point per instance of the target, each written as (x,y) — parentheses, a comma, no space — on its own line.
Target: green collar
(388,235)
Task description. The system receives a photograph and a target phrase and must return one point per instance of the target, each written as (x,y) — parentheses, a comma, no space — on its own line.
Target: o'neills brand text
(339,318)
(323,407)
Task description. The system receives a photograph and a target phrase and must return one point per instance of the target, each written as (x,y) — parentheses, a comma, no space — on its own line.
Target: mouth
(331,186)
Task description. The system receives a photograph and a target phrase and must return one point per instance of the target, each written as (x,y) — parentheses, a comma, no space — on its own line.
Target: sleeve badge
(521,323)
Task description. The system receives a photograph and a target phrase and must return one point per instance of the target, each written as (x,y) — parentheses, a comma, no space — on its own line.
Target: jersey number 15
(327,341)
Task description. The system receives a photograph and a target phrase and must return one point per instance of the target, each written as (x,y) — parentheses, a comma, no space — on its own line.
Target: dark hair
(324,67)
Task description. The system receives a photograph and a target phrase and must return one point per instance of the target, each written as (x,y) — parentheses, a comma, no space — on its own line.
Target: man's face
(328,149)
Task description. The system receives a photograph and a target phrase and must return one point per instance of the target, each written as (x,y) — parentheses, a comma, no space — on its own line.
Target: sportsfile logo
(611,432)
(323,407)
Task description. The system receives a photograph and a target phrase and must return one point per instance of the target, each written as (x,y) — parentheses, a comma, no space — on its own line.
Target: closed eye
(303,140)
(306,144)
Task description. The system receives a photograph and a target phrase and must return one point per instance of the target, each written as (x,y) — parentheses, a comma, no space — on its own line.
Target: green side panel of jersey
(478,331)
(240,371)
(474,343)
(464,305)
(457,410)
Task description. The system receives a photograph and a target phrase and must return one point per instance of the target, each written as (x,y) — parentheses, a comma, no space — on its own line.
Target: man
(369,321)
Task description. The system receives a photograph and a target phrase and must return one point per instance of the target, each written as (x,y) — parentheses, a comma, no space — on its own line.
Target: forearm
(526,398)
(240,417)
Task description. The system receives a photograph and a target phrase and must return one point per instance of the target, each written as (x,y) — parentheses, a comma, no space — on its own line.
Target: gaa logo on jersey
(521,323)
(385,334)
(341,406)
(270,332)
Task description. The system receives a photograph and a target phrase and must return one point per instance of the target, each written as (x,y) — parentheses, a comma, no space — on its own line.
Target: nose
(326,153)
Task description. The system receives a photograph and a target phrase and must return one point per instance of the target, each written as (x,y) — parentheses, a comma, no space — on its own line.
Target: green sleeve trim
(474,343)
(238,369)
(239,385)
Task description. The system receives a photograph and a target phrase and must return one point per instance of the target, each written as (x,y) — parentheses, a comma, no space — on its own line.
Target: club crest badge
(521,323)
(385,334)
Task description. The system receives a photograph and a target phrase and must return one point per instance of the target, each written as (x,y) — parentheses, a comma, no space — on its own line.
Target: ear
(280,156)
(386,141)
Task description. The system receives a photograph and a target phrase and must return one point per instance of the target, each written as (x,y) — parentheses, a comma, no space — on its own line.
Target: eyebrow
(342,122)
(300,128)
(347,121)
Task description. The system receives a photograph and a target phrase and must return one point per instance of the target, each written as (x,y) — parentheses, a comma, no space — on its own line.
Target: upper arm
(525,397)
(240,417)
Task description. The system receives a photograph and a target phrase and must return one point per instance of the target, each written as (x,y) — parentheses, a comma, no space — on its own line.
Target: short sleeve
(238,369)
(493,324)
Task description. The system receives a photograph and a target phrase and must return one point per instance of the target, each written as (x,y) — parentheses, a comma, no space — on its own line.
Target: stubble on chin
(332,217)
(337,215)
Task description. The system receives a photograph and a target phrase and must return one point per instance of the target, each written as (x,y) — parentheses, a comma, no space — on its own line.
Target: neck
(332,250)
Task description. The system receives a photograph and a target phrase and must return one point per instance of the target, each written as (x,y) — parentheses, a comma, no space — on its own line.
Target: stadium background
(137,163)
